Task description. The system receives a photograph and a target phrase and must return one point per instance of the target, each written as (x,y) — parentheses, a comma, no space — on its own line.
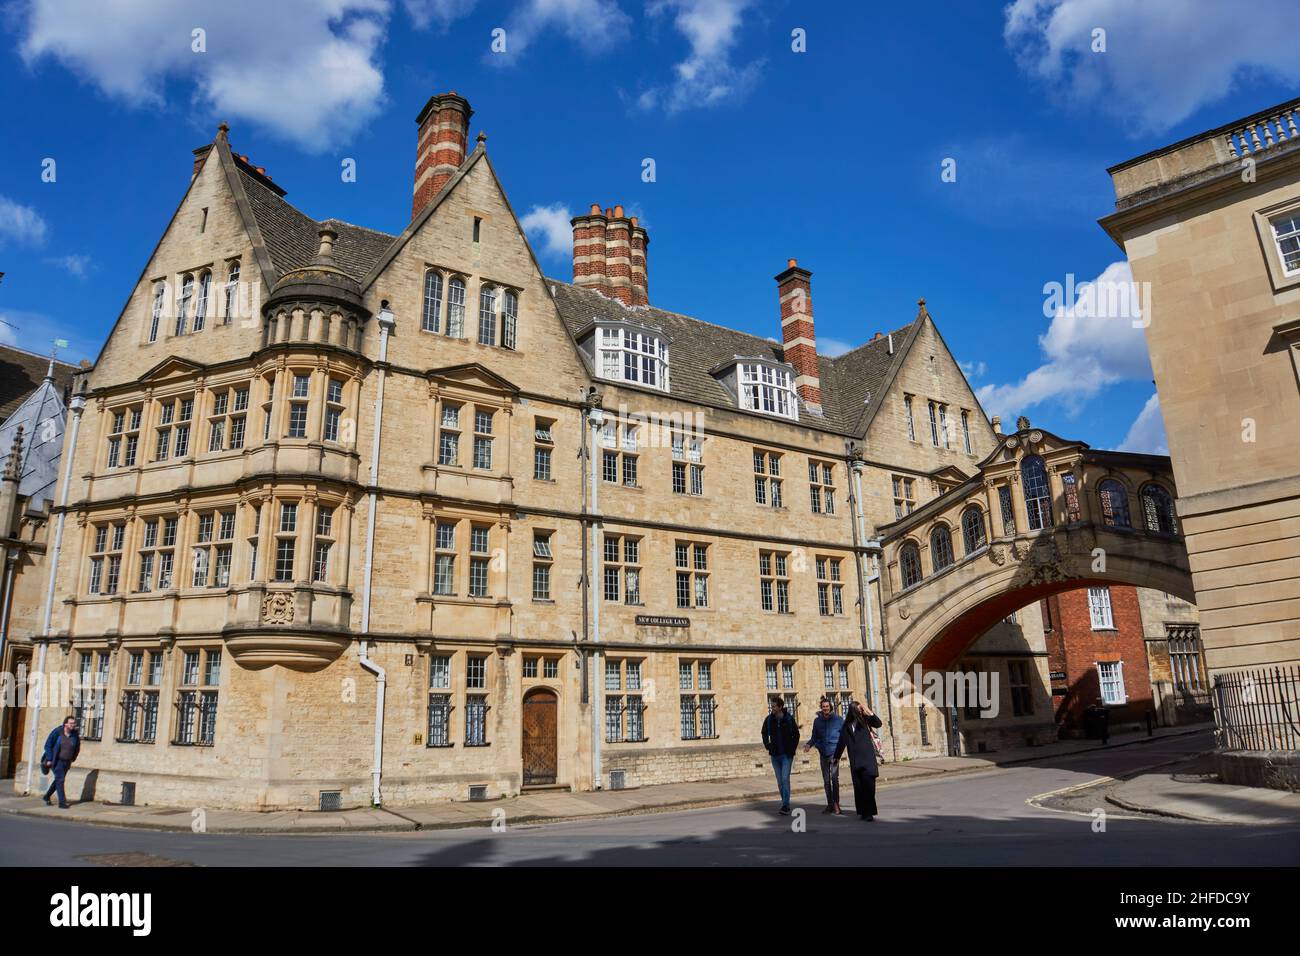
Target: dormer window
(768,389)
(632,355)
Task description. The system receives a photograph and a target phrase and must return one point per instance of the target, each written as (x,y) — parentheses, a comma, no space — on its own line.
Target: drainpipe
(386,323)
(584,459)
(866,610)
(78,405)
(596,417)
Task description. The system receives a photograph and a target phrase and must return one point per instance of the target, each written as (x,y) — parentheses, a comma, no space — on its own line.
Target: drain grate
(331,799)
(478,792)
(617,779)
(128,794)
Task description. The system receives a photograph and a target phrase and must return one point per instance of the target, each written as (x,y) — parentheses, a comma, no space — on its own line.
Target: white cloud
(1094,341)
(549,230)
(1162,60)
(74,265)
(832,347)
(594,25)
(21,224)
(424,13)
(974,369)
(707,77)
(306,69)
(1147,433)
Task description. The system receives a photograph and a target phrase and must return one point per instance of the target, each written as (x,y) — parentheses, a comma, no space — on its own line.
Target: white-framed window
(1111,674)
(697,710)
(768,389)
(183,309)
(232,291)
(543,558)
(774,581)
(821,487)
(1099,610)
(631,355)
(487,315)
(830,589)
(965,431)
(934,424)
(449,435)
(904,495)
(456,308)
(624,707)
(911,424)
(196,700)
(1286,233)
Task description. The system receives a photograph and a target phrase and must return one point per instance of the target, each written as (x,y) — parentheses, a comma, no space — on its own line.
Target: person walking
(781,739)
(62,747)
(825,737)
(855,737)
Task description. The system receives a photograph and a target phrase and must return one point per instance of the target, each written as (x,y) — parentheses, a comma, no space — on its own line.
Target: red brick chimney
(609,255)
(442,145)
(794,289)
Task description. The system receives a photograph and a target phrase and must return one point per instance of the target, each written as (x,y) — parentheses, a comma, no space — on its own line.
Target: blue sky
(833,155)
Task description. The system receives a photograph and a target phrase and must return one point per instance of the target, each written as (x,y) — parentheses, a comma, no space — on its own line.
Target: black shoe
(47,800)
(65,806)
(828,810)
(784,811)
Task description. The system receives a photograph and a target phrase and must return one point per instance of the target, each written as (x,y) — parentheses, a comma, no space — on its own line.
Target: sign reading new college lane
(660,620)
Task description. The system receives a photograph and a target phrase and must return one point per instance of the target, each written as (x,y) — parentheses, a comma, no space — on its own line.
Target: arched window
(201,307)
(1114,504)
(972,530)
(1038,499)
(1158,509)
(909,563)
(509,319)
(232,291)
(456,308)
(155,313)
(940,548)
(487,315)
(432,317)
(183,313)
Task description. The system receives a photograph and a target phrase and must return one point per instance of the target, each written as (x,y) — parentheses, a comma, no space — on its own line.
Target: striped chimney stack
(609,255)
(794,289)
(441,147)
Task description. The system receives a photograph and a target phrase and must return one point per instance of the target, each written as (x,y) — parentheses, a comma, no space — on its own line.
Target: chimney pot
(794,293)
(441,146)
(594,211)
(618,212)
(997,424)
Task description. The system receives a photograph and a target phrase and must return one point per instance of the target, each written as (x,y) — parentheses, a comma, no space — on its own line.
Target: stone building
(1211,228)
(338,495)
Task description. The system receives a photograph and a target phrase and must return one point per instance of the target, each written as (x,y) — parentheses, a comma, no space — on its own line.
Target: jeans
(831,780)
(60,770)
(781,764)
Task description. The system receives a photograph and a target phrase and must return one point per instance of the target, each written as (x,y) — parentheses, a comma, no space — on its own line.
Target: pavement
(1191,791)
(1192,799)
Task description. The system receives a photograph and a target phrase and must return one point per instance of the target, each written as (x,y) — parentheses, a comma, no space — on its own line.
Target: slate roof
(848,381)
(291,236)
(697,347)
(21,373)
(42,417)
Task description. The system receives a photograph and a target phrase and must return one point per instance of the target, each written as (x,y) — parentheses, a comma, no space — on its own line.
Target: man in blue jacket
(61,749)
(781,740)
(825,737)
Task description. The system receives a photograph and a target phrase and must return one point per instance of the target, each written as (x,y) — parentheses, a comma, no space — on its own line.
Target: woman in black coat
(856,739)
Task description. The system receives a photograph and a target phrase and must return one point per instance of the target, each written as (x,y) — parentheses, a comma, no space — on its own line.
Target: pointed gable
(42,418)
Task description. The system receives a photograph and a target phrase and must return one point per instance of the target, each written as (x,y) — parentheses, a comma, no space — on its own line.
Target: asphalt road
(975,819)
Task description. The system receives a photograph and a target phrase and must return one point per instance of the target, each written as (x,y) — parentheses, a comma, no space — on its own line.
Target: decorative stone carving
(277,608)
(1035,436)
(998,555)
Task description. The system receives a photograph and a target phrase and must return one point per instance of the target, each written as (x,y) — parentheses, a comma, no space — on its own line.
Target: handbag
(875,742)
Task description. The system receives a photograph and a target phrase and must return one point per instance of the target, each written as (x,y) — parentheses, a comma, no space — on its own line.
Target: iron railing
(1258,709)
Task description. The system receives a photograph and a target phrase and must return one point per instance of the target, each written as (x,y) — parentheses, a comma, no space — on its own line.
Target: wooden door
(540,743)
(18,723)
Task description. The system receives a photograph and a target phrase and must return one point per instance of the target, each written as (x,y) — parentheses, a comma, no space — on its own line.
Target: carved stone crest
(277,608)
(998,555)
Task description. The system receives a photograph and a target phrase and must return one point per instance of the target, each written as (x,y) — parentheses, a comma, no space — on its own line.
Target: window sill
(477,746)
(446,746)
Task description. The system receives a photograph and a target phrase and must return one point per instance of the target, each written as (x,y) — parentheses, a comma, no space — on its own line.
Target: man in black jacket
(856,739)
(62,747)
(781,739)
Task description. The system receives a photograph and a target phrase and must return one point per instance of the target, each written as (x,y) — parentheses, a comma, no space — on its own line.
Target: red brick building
(1096,649)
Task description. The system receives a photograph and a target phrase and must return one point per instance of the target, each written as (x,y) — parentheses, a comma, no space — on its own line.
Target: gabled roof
(42,417)
(847,381)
